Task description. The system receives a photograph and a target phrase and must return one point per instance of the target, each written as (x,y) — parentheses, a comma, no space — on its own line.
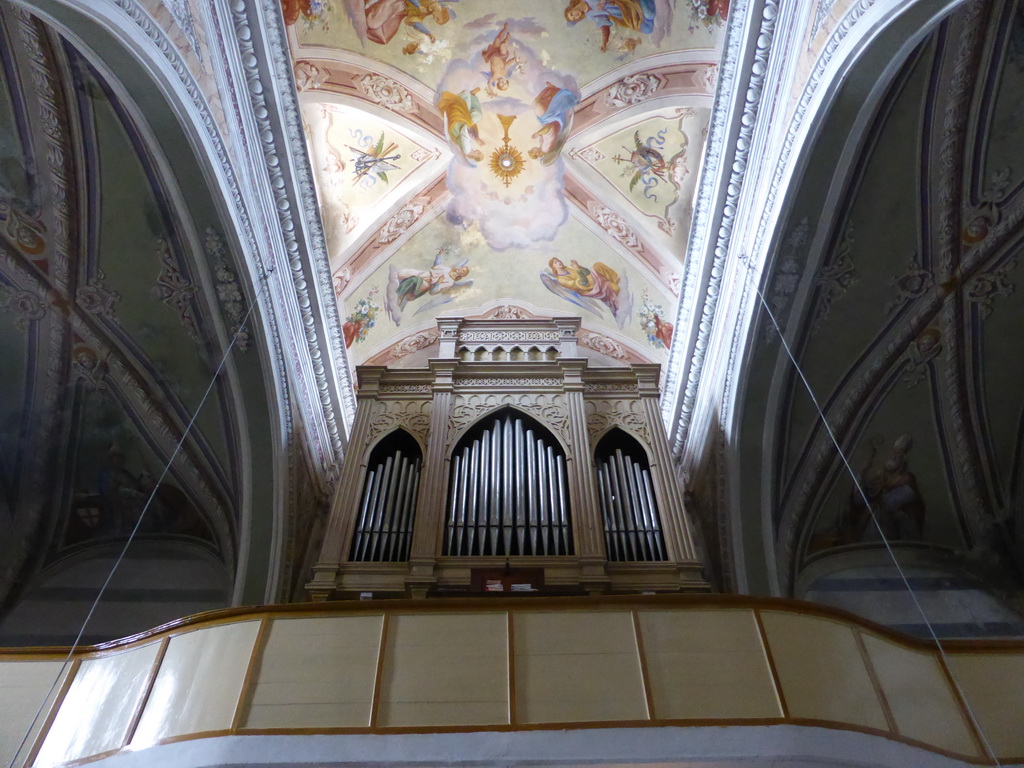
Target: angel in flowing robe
(634,15)
(588,287)
(461,112)
(554,108)
(385,17)
(440,281)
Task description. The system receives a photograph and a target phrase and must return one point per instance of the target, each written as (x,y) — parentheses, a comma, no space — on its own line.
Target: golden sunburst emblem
(506,160)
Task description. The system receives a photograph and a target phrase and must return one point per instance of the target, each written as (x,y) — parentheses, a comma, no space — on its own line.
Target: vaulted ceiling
(119,302)
(475,158)
(896,282)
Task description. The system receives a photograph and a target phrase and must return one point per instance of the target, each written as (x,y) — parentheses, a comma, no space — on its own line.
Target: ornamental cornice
(713,198)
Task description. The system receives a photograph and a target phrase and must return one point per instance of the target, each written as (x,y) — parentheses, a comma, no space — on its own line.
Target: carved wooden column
(667,489)
(588,524)
(430,502)
(346,496)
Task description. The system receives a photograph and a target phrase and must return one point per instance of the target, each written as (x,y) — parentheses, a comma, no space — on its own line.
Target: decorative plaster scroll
(96,299)
(21,231)
(615,225)
(548,409)
(413,343)
(87,366)
(552,381)
(411,415)
(787,278)
(602,344)
(984,288)
(921,351)
(308,76)
(400,223)
(174,289)
(26,306)
(632,89)
(708,77)
(386,93)
(605,414)
(493,336)
(509,312)
(912,284)
(406,388)
(821,13)
(229,292)
(598,387)
(835,277)
(591,155)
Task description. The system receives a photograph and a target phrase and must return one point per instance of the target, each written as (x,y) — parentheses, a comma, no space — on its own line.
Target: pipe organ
(508,450)
(508,492)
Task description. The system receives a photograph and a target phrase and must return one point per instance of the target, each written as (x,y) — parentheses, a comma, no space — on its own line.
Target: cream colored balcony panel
(26,688)
(445,669)
(317,672)
(821,671)
(577,666)
(707,664)
(199,683)
(97,713)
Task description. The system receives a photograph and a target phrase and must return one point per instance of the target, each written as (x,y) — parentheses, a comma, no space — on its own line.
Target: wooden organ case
(508,453)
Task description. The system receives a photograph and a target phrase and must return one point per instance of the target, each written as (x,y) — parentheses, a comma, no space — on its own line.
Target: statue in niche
(894,497)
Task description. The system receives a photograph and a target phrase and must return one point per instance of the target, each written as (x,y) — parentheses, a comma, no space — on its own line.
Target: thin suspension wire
(874,519)
(138,523)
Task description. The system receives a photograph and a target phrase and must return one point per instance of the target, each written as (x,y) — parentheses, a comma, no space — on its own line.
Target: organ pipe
(384,529)
(508,489)
(631,520)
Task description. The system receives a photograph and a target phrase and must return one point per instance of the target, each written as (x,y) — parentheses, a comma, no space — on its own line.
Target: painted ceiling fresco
(471,161)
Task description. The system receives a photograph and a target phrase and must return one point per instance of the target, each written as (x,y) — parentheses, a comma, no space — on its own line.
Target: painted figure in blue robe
(554,107)
(634,15)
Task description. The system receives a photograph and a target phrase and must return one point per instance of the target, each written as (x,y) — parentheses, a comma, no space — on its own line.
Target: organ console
(508,450)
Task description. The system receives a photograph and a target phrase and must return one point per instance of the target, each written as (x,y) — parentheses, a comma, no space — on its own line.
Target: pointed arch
(387,503)
(629,506)
(508,490)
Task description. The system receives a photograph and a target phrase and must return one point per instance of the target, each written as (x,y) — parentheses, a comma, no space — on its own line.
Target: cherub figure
(501,58)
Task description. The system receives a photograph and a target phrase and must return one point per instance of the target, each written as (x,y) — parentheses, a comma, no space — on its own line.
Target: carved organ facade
(508,451)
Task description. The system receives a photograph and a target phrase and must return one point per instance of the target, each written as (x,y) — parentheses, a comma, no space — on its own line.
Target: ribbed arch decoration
(632,525)
(507,491)
(387,505)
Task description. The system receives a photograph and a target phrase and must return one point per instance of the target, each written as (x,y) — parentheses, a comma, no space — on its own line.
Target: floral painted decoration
(658,330)
(709,12)
(314,13)
(362,319)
